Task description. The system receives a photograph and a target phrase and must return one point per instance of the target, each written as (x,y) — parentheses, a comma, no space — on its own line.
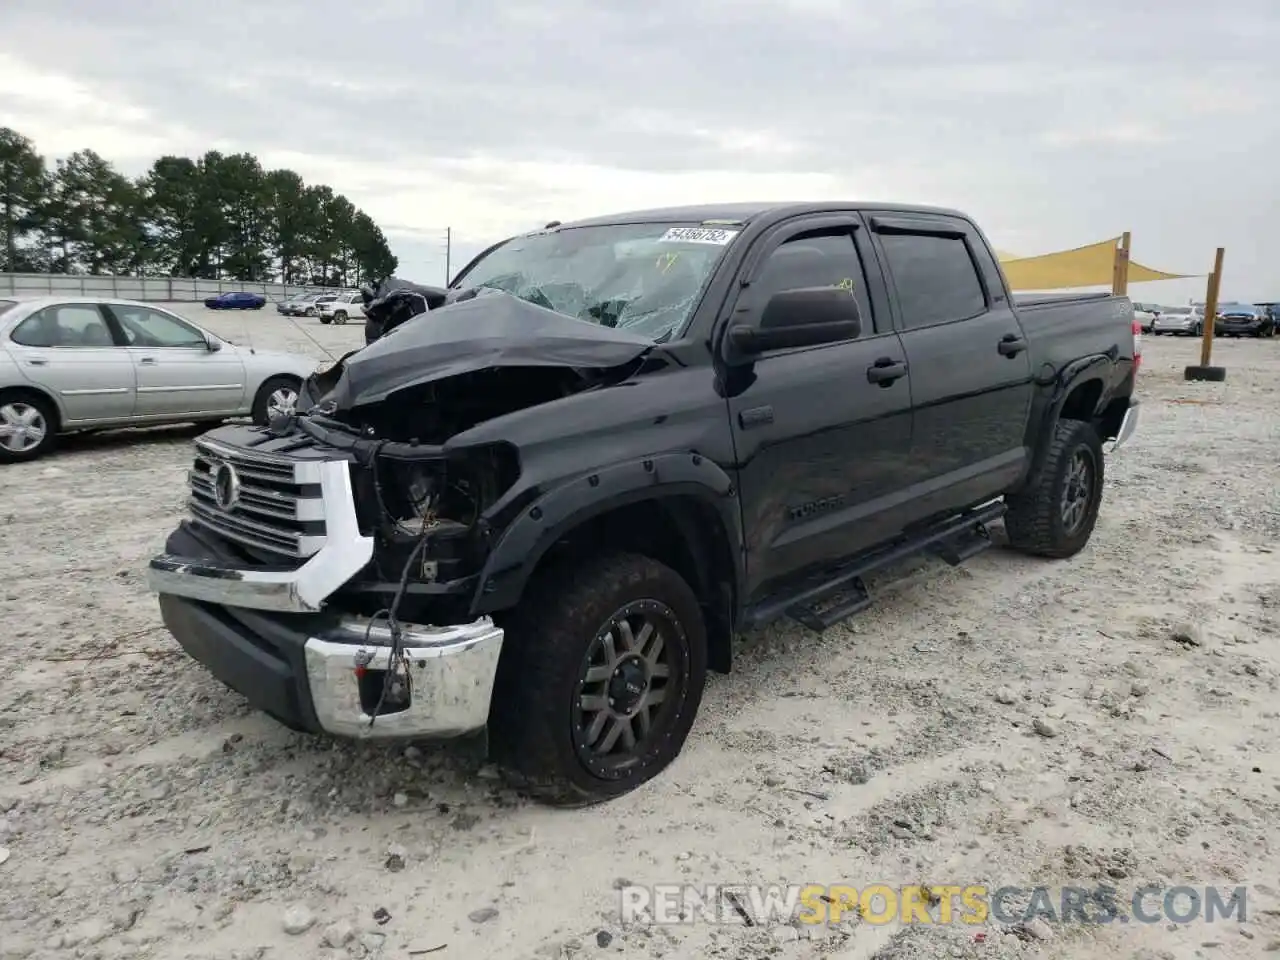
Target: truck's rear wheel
(1055,515)
(601,676)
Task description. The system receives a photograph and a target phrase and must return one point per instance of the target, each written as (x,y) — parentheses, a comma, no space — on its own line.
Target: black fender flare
(518,551)
(1100,367)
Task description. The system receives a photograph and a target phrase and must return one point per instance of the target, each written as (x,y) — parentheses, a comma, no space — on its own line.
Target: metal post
(1204,371)
(1120,272)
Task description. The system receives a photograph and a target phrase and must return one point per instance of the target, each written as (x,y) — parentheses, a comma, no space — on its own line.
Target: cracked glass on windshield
(645,278)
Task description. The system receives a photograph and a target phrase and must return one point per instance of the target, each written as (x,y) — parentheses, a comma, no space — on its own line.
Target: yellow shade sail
(1089,266)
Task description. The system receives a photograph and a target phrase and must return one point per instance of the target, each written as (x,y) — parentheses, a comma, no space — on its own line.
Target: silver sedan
(1188,321)
(82,363)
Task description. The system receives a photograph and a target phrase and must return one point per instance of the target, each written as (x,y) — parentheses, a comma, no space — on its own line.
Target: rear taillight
(1137,345)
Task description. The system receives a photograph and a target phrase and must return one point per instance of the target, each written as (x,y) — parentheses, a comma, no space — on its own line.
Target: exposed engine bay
(434,412)
(399,405)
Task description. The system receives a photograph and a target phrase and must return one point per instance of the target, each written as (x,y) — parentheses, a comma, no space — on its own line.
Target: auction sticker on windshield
(713,235)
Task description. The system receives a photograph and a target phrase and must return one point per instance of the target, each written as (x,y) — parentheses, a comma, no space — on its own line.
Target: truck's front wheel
(601,676)
(1055,515)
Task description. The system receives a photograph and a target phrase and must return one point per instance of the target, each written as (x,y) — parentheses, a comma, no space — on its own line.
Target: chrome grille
(278,507)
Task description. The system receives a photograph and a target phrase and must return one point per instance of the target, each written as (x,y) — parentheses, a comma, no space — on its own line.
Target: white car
(1146,314)
(1188,321)
(341,308)
(85,363)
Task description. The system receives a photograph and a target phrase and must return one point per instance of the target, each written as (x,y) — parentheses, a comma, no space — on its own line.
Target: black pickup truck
(544,508)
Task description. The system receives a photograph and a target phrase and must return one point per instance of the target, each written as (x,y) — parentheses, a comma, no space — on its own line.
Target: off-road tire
(1205,374)
(547,639)
(50,414)
(1034,521)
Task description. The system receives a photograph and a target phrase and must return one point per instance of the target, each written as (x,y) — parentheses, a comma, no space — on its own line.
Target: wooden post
(1211,308)
(1120,272)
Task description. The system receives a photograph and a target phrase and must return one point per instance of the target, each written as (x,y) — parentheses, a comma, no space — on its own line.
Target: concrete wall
(174,289)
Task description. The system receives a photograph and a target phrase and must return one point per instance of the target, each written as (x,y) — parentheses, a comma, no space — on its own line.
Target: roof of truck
(736,213)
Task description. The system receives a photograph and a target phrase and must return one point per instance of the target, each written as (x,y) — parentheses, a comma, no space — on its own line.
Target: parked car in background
(236,301)
(304,306)
(84,363)
(1243,319)
(341,308)
(284,306)
(1187,321)
(1145,314)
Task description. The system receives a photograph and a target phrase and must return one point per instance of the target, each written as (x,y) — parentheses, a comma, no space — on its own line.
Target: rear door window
(70,325)
(935,277)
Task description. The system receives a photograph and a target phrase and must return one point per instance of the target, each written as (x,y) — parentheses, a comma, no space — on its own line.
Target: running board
(963,546)
(823,601)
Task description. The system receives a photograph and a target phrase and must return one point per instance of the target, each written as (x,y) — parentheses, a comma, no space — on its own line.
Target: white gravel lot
(145,811)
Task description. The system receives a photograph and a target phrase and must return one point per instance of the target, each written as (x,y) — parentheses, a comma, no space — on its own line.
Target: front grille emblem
(226,487)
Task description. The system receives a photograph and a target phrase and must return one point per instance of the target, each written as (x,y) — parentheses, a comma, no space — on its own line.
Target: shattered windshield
(645,278)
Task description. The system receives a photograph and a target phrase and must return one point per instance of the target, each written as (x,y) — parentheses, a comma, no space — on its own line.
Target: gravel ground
(1011,722)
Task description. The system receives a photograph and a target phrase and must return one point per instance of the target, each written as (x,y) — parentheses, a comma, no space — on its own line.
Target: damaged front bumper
(328,678)
(261,633)
(451,672)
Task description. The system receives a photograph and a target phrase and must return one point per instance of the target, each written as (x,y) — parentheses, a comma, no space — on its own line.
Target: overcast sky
(1053,124)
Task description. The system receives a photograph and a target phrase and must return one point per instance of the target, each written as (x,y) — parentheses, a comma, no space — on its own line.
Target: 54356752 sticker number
(713,235)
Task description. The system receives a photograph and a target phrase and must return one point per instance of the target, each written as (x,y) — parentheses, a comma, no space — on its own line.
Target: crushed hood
(490,330)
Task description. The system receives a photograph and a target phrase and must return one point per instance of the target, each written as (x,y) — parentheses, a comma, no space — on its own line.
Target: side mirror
(213,345)
(805,317)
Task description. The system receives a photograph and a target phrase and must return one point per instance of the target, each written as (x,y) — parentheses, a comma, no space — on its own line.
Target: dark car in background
(1243,319)
(236,301)
(1272,312)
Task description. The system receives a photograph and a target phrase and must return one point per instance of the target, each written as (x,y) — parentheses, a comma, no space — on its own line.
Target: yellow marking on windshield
(666,261)
(845,284)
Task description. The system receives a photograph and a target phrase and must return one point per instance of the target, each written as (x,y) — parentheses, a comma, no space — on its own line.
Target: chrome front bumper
(451,670)
(1127,428)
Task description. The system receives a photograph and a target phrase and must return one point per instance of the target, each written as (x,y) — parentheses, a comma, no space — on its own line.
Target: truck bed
(1025,300)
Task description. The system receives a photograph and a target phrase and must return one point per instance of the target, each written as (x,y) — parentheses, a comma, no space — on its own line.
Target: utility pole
(448,249)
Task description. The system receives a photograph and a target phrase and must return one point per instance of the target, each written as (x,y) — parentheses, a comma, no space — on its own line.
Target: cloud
(1054,126)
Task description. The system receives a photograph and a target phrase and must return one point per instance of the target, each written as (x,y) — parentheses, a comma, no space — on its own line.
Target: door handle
(146,359)
(886,370)
(38,361)
(1011,345)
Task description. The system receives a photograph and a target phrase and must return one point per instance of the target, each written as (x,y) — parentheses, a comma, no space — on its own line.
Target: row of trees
(218,217)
